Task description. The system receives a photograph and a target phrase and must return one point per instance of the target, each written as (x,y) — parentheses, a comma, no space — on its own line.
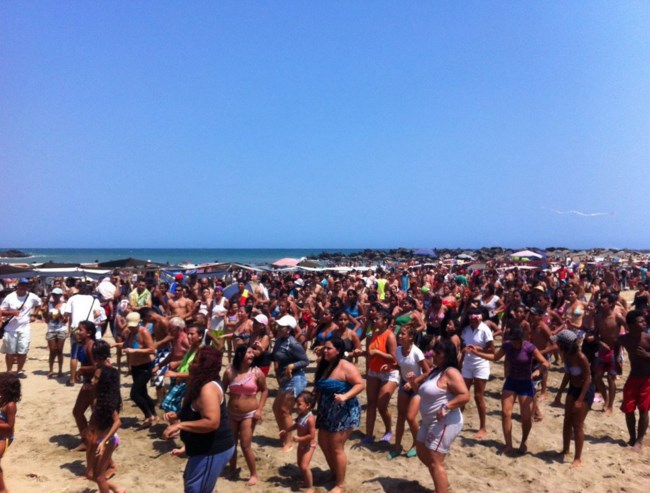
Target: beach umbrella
(286,262)
(233,289)
(425,252)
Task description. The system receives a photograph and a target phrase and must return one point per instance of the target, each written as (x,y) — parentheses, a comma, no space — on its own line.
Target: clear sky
(324,124)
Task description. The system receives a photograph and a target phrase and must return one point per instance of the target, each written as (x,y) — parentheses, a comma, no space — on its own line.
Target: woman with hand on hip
(337,384)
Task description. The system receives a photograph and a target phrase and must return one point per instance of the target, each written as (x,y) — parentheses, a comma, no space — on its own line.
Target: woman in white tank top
(442,393)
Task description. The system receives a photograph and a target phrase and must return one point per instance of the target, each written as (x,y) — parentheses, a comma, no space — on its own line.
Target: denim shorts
(520,387)
(295,385)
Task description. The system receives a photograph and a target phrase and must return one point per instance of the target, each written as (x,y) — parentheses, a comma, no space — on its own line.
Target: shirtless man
(180,305)
(609,322)
(180,344)
(540,336)
(636,393)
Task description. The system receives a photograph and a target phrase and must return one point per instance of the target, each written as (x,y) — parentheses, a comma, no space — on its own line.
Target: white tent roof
(526,253)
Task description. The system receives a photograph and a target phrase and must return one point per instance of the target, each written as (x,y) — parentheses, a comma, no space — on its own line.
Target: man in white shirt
(476,370)
(18,306)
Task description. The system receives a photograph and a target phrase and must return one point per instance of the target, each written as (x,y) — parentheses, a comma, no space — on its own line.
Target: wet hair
(200,330)
(89,326)
(448,348)
(108,399)
(325,367)
(145,312)
(207,366)
(101,350)
(632,315)
(238,358)
(10,389)
(308,397)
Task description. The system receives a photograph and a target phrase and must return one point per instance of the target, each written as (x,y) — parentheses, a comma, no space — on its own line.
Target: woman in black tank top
(202,424)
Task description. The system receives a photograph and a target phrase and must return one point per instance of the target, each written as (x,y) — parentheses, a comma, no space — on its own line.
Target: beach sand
(40,460)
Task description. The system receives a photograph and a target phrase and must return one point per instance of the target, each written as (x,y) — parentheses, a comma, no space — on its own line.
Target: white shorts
(16,342)
(388,376)
(472,370)
(439,435)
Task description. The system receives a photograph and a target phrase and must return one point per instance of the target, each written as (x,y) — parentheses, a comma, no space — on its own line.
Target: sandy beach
(40,460)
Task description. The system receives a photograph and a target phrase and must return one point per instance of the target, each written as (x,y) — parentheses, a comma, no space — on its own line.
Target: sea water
(168,255)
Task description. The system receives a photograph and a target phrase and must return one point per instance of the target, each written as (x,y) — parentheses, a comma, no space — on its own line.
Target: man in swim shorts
(636,393)
(609,322)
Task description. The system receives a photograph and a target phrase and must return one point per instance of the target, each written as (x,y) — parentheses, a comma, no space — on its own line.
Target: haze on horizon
(240,125)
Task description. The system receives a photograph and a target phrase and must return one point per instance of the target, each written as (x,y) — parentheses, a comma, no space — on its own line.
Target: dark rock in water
(14,254)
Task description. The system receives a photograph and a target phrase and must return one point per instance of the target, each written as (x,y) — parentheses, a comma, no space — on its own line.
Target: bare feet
(482,433)
(252,481)
(79,448)
(543,397)
(608,411)
(232,475)
(339,488)
(523,448)
(50,374)
(637,447)
(287,448)
(576,463)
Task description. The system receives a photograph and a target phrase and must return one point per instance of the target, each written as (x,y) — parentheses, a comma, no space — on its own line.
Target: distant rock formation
(13,254)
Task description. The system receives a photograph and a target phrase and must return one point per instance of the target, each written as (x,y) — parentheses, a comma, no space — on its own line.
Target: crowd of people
(428,333)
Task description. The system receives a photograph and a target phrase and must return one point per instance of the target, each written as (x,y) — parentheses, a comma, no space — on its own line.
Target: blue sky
(324,124)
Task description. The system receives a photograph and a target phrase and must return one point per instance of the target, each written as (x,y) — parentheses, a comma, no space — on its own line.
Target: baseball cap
(261,318)
(565,337)
(57,291)
(178,277)
(133,319)
(23,280)
(299,282)
(287,321)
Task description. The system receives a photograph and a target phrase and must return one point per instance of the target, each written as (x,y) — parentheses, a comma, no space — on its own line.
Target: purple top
(519,361)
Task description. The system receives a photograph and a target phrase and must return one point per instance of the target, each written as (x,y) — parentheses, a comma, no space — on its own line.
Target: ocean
(172,256)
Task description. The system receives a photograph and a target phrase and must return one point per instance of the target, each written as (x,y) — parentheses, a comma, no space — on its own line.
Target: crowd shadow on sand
(391,485)
(289,477)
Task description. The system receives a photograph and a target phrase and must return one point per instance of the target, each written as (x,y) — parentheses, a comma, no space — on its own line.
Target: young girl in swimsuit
(102,430)
(305,425)
(244,381)
(9,396)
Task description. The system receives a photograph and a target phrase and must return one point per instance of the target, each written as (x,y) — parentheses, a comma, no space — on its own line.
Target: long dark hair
(108,399)
(9,388)
(448,348)
(238,359)
(325,368)
(207,366)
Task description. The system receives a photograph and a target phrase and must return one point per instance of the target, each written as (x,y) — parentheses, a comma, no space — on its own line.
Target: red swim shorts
(636,394)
